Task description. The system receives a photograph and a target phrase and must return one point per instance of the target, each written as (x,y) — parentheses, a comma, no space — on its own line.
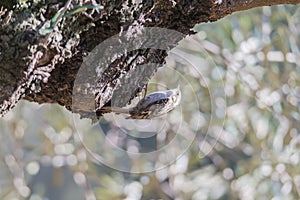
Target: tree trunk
(40,60)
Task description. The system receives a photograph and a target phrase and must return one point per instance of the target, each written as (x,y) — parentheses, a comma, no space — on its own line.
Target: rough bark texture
(42,67)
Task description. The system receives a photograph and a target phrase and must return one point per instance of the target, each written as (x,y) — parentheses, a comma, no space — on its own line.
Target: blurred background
(235,134)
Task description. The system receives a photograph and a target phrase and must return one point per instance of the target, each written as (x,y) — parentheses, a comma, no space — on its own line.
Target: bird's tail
(115,110)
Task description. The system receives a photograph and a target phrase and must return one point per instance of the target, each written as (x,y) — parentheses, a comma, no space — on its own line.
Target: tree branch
(45,72)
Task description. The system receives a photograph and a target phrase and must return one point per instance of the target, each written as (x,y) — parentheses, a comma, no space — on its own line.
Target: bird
(151,106)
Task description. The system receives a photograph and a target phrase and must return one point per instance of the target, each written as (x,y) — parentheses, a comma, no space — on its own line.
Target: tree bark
(42,67)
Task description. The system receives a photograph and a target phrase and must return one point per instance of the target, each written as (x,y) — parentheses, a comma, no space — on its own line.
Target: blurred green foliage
(240,80)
